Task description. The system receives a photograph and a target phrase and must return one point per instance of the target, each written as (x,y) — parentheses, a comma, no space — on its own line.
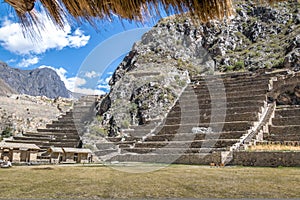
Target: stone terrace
(212,115)
(66,130)
(285,124)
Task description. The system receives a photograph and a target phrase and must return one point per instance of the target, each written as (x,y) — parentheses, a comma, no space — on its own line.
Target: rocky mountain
(5,89)
(24,113)
(37,82)
(152,75)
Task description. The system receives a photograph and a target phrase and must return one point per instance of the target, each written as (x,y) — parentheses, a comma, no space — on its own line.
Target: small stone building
(69,155)
(19,152)
(55,154)
(74,155)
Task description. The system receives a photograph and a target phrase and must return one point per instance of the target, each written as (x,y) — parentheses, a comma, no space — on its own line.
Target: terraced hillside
(214,117)
(66,130)
(284,126)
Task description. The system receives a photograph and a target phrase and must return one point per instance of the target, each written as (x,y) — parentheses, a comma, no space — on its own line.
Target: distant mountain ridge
(36,82)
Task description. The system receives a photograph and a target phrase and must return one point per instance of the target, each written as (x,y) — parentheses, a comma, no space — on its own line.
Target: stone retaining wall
(266,159)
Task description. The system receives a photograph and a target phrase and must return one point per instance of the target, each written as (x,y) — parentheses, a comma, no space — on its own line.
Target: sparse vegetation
(6,133)
(98,131)
(239,65)
(125,123)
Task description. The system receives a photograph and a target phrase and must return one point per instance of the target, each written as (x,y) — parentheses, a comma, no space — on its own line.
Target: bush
(125,124)
(239,65)
(7,132)
(96,130)
(229,68)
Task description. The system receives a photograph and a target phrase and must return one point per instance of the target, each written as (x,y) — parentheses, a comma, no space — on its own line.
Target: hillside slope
(5,89)
(257,37)
(37,82)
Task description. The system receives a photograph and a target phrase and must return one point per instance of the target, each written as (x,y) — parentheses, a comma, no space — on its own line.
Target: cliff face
(5,89)
(152,75)
(257,37)
(37,82)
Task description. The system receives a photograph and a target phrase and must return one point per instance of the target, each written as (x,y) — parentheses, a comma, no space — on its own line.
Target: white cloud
(103,83)
(88,91)
(91,74)
(11,61)
(28,61)
(51,37)
(74,84)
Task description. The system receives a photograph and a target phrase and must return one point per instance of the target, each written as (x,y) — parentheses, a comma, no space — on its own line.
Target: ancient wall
(266,159)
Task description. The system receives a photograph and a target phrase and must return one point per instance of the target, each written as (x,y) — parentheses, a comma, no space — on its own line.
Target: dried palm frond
(61,10)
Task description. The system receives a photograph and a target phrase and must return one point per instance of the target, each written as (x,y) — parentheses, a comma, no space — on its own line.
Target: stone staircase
(213,116)
(285,126)
(66,130)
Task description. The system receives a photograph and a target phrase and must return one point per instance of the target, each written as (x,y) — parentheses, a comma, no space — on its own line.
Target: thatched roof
(61,10)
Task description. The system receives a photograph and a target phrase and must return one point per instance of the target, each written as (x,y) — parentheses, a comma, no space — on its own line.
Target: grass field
(179,181)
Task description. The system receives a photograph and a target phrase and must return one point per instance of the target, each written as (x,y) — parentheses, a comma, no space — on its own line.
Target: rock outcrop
(5,89)
(23,113)
(37,82)
(152,75)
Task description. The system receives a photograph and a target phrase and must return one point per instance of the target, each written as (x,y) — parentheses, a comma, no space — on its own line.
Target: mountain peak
(36,82)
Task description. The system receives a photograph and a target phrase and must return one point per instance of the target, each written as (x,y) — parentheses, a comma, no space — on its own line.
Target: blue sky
(82,56)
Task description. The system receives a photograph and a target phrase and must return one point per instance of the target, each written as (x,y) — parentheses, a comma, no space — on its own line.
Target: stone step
(46,139)
(61,126)
(230,81)
(32,134)
(282,137)
(218,94)
(62,121)
(32,138)
(229,78)
(187,128)
(195,136)
(225,127)
(248,116)
(224,75)
(197,158)
(199,100)
(47,135)
(286,121)
(286,143)
(46,143)
(207,112)
(69,119)
(62,131)
(287,81)
(281,130)
(228,88)
(178,106)
(170,150)
(287,112)
(188,144)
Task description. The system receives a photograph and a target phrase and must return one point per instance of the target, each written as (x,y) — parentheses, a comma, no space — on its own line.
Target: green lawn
(179,181)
